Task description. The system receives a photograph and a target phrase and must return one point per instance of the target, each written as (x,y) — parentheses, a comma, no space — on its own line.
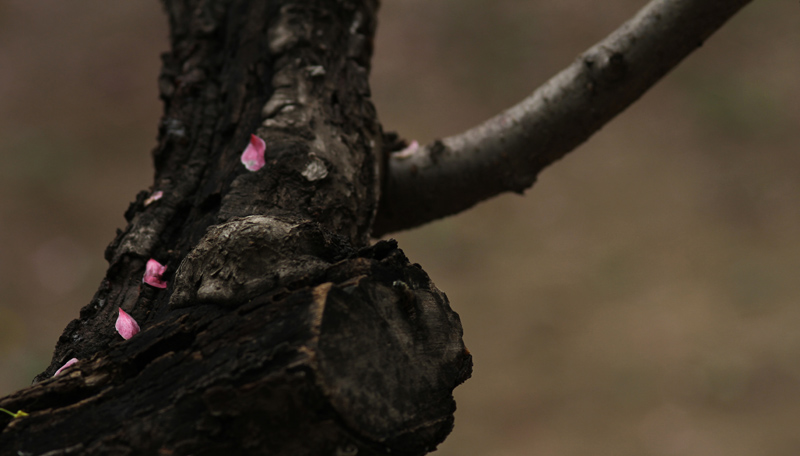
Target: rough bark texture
(281,331)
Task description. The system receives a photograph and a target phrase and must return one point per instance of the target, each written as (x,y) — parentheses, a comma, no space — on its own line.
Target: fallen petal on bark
(153,198)
(152,274)
(126,325)
(408,151)
(66,365)
(253,155)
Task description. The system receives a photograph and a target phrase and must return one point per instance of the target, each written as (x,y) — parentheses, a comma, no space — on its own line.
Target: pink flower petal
(408,151)
(253,155)
(152,274)
(126,325)
(153,198)
(66,365)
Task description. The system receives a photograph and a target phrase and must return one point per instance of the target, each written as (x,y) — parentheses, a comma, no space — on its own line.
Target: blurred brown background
(641,299)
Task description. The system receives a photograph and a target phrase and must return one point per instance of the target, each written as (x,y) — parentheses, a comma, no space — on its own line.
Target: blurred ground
(640,299)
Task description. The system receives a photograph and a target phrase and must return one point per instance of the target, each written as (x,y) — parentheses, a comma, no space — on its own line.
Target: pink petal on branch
(408,151)
(153,198)
(66,365)
(253,155)
(126,325)
(152,274)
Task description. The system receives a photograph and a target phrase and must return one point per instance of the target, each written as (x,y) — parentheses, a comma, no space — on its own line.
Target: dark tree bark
(281,331)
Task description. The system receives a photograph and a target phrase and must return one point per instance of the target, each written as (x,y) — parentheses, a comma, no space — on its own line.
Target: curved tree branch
(508,151)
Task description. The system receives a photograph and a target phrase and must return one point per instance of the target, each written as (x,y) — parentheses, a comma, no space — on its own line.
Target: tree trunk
(281,330)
